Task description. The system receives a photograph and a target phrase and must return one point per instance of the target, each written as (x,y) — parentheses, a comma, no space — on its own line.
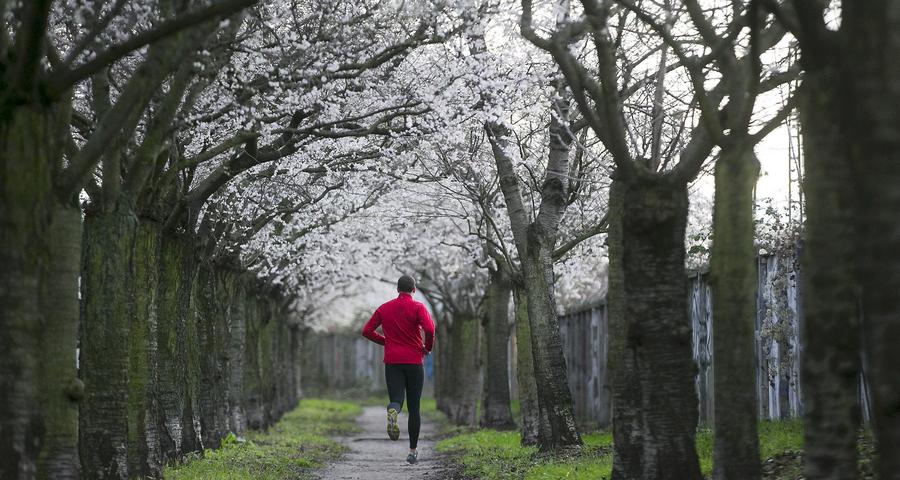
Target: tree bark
(266,356)
(175,368)
(59,388)
(733,275)
(237,326)
(535,241)
(297,361)
(212,319)
(252,389)
(119,436)
(143,409)
(495,407)
(653,353)
(873,114)
(38,388)
(626,420)
(557,418)
(529,417)
(462,399)
(109,243)
(442,354)
(830,331)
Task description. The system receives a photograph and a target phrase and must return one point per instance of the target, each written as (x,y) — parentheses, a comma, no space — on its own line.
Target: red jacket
(401,320)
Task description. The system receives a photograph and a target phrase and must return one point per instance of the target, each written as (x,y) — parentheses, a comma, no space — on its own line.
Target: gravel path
(373,456)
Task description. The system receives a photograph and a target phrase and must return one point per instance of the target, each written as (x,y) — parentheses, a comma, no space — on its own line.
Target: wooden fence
(778,348)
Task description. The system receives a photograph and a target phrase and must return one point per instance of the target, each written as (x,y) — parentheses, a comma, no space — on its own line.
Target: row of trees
(708,72)
(161,154)
(141,146)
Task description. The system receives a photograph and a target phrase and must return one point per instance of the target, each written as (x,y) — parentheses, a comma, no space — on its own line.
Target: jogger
(404,378)
(403,321)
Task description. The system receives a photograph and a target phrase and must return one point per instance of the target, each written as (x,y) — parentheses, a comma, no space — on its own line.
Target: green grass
(493,455)
(287,450)
(428,406)
(489,454)
(779,437)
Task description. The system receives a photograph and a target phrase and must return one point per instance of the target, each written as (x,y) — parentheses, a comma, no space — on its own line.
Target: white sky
(775,160)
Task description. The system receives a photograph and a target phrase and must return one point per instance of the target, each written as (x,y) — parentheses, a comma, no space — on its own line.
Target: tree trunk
(267,360)
(556,427)
(252,397)
(733,272)
(143,408)
(284,374)
(528,402)
(652,343)
(296,362)
(535,241)
(495,408)
(442,354)
(626,420)
(462,399)
(830,330)
(59,387)
(212,318)
(174,330)
(119,436)
(873,114)
(109,243)
(237,327)
(38,388)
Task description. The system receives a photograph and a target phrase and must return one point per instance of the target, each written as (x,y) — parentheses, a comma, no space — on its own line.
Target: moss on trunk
(106,341)
(462,397)
(528,409)
(556,425)
(59,388)
(442,372)
(495,407)
(830,330)
(733,271)
(213,316)
(143,441)
(174,365)
(252,391)
(27,226)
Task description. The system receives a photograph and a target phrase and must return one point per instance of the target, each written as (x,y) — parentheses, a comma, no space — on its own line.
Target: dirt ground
(373,456)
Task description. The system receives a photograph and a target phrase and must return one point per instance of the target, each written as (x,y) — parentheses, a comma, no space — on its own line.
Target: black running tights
(406,378)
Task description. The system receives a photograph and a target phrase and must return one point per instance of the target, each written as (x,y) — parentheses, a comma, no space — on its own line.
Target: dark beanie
(406,284)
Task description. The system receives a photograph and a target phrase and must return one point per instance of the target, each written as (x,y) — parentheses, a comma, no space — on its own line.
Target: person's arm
(369,332)
(427,326)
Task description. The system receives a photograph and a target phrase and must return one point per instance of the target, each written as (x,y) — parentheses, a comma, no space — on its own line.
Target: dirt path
(373,456)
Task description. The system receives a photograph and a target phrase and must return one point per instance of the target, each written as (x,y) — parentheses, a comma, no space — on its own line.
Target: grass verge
(287,450)
(493,455)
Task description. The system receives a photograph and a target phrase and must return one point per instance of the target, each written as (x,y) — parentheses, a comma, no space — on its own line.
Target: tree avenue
(189,188)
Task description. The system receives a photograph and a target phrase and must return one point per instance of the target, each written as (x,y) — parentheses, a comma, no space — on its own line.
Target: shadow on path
(373,456)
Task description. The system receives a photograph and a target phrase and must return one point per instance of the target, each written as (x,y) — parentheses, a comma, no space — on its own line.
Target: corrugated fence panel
(701,324)
(584,339)
(778,348)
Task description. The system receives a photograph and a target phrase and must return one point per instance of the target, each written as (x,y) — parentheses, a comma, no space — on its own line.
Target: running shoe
(412,458)
(393,429)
